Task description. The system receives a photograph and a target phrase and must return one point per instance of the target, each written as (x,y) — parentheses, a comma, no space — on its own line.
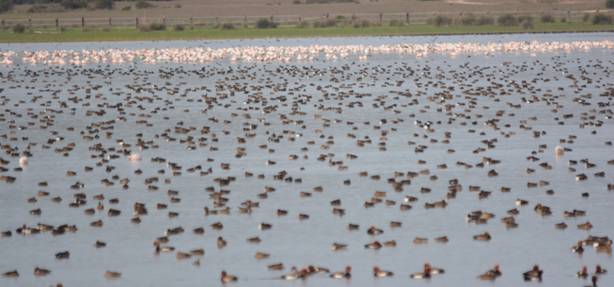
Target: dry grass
(195,8)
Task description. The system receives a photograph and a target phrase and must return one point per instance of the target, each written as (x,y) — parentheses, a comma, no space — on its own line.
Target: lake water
(200,114)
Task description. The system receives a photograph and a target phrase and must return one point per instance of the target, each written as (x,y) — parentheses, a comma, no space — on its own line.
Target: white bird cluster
(308,53)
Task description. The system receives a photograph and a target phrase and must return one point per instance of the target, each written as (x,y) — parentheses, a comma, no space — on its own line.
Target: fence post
(57,24)
(163,20)
(110,22)
(2,24)
(300,20)
(327,15)
(136,21)
(244,21)
(353,18)
(381,18)
(30,23)
(191,23)
(568,16)
(407,17)
(82,22)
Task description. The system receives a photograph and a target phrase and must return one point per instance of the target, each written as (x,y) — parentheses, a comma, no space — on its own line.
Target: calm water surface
(324,102)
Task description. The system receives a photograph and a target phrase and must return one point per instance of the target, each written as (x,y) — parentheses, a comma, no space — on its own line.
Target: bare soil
(196,8)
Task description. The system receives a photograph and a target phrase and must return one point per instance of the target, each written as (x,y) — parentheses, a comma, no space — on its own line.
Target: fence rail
(348,18)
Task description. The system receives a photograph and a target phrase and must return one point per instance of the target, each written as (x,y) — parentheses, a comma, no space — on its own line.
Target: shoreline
(131,34)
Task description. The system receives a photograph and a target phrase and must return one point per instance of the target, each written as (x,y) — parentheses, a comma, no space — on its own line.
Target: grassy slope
(129,34)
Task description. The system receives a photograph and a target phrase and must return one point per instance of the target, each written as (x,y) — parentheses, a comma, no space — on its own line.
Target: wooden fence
(192,22)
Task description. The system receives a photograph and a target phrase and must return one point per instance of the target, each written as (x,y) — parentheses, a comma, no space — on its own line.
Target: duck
(346,274)
(276,266)
(578,248)
(338,246)
(11,274)
(377,272)
(491,274)
(221,243)
(227,278)
(62,255)
(294,274)
(482,236)
(427,272)
(261,255)
(39,272)
(594,279)
(373,245)
(582,273)
(535,274)
(600,270)
(112,275)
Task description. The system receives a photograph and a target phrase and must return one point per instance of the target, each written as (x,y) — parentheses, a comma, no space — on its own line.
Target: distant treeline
(7,5)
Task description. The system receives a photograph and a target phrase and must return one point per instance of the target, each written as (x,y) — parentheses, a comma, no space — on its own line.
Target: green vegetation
(227,26)
(43,5)
(602,19)
(441,21)
(326,1)
(142,4)
(153,27)
(547,18)
(103,4)
(132,34)
(507,20)
(73,4)
(609,4)
(19,29)
(265,23)
(6,5)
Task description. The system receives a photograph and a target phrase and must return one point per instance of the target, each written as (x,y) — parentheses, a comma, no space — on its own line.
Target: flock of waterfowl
(444,169)
(292,53)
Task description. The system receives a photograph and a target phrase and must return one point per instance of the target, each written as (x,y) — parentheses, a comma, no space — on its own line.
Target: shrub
(507,20)
(362,24)
(396,23)
(103,4)
(37,8)
(524,19)
(547,18)
(179,27)
(227,26)
(527,23)
(485,20)
(609,4)
(178,6)
(586,17)
(153,27)
(296,2)
(441,21)
(73,4)
(303,24)
(602,19)
(265,23)
(325,24)
(127,8)
(142,4)
(563,20)
(19,28)
(468,19)
(6,5)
